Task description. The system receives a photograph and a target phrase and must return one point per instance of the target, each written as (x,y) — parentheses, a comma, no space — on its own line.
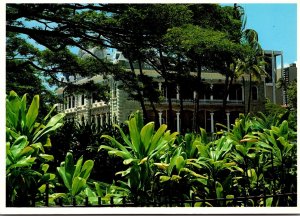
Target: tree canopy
(174,39)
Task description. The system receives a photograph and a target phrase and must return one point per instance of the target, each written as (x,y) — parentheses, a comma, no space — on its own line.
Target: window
(94,97)
(82,99)
(73,101)
(254,93)
(69,98)
(239,93)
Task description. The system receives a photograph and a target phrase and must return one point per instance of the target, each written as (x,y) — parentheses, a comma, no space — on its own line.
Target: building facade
(85,108)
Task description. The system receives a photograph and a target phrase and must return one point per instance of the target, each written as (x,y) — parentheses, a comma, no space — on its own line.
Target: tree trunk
(197,98)
(165,75)
(180,81)
(140,95)
(156,118)
(89,108)
(228,85)
(170,111)
(244,85)
(250,86)
(226,91)
(181,103)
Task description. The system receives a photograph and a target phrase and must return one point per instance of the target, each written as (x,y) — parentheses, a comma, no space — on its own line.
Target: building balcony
(98,104)
(201,101)
(70,110)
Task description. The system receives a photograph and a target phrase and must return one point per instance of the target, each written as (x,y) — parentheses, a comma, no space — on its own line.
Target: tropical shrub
(265,154)
(138,151)
(21,120)
(74,177)
(256,157)
(26,141)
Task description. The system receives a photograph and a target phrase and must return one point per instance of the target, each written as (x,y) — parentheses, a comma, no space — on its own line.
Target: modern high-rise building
(288,75)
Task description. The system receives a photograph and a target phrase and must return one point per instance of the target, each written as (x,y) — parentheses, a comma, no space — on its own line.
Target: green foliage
(21,120)
(84,139)
(138,150)
(75,176)
(292,94)
(26,140)
(256,157)
(273,109)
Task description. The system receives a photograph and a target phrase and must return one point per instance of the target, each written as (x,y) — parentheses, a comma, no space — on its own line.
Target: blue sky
(276,25)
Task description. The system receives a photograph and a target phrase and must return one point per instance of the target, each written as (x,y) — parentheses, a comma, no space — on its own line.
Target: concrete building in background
(87,109)
(288,75)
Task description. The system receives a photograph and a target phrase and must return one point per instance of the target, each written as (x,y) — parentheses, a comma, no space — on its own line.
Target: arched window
(254,93)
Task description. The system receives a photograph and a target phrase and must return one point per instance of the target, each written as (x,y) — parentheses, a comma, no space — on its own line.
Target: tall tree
(59,27)
(205,48)
(253,64)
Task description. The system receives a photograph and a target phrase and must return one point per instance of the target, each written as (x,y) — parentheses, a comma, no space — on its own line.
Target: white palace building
(81,108)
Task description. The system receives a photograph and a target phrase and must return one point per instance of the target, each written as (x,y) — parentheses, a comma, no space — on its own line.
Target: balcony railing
(201,101)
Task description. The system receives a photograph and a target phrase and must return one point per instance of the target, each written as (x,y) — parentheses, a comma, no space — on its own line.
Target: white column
(107,118)
(212,122)
(194,96)
(159,86)
(96,120)
(160,118)
(101,119)
(113,118)
(177,92)
(86,119)
(228,120)
(68,98)
(243,93)
(178,122)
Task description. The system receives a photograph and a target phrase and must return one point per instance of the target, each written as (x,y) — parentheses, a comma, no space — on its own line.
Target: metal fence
(274,200)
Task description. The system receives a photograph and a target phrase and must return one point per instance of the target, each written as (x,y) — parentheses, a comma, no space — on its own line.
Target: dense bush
(256,157)
(27,141)
(84,140)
